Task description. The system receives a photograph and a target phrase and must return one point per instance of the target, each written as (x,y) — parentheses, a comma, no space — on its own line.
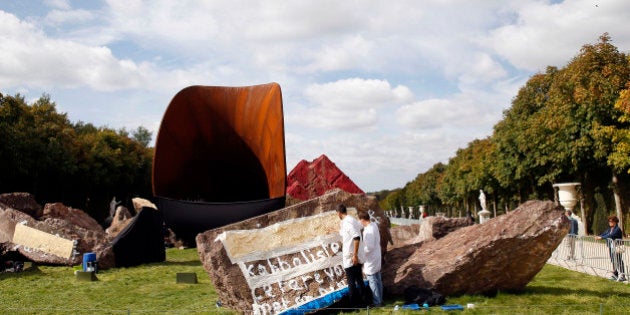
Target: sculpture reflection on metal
(220,157)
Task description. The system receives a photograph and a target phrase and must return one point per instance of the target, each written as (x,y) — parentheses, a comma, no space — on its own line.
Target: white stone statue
(482,200)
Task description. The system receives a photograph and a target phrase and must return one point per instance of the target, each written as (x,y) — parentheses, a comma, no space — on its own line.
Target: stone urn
(567,194)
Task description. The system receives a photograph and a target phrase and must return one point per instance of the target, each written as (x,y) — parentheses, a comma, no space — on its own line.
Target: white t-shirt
(372,248)
(349,229)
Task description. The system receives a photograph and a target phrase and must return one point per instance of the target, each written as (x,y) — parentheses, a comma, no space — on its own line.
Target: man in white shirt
(353,255)
(372,265)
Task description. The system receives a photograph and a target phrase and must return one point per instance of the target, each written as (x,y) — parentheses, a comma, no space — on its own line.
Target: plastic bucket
(89,262)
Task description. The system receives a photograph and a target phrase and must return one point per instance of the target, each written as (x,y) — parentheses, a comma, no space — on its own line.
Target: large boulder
(9,217)
(403,234)
(433,228)
(283,259)
(121,219)
(21,201)
(505,253)
(73,216)
(62,234)
(47,234)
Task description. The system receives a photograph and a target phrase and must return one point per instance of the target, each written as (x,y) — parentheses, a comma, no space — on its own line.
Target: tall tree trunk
(618,207)
(582,213)
(588,195)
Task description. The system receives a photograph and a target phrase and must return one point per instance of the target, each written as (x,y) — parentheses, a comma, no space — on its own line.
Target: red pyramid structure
(310,180)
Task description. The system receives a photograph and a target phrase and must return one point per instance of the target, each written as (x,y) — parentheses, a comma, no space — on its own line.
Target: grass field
(151,289)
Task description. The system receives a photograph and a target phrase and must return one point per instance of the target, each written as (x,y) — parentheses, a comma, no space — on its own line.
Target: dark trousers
(356,286)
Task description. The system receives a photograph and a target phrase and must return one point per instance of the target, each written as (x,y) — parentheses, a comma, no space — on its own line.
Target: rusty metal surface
(221,145)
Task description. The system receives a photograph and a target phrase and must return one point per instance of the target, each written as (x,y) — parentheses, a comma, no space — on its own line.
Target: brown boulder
(121,219)
(73,216)
(21,201)
(8,218)
(284,258)
(505,253)
(433,228)
(86,240)
(403,234)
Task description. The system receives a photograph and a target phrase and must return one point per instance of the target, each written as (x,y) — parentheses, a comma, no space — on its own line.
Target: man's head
(569,213)
(364,218)
(341,211)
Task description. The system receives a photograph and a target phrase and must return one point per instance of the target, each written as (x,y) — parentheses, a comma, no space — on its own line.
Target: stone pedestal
(86,275)
(186,277)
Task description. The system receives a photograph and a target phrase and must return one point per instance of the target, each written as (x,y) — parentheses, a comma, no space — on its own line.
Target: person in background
(353,255)
(372,266)
(573,231)
(610,235)
(470,218)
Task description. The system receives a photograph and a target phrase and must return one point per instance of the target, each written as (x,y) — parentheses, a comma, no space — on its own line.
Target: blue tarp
(320,303)
(316,304)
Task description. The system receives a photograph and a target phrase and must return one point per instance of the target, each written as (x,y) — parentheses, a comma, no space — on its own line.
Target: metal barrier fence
(590,255)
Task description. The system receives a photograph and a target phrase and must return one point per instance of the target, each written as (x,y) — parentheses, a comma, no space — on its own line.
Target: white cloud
(28,55)
(547,34)
(351,53)
(386,89)
(481,70)
(348,103)
(56,17)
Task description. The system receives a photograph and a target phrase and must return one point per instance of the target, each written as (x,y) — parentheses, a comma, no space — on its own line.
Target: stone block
(85,275)
(186,277)
(40,240)
(286,259)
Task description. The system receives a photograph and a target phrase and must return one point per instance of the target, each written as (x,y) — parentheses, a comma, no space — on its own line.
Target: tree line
(569,124)
(43,153)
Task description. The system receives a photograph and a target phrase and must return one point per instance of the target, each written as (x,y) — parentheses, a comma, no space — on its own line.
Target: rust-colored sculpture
(220,157)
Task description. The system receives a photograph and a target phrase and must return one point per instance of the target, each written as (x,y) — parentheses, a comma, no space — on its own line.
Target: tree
(580,108)
(521,161)
(43,153)
(142,135)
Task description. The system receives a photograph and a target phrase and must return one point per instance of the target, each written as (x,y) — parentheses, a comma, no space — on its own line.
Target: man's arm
(355,254)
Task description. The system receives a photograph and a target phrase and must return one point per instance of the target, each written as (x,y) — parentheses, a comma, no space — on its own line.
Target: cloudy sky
(385,89)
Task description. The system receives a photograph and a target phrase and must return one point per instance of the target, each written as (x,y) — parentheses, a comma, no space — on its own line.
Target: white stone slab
(42,241)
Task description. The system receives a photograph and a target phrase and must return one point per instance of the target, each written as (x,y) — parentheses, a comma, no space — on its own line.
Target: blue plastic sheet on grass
(452,307)
(413,307)
(319,303)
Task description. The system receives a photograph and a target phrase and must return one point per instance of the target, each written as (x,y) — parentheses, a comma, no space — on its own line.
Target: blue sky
(385,89)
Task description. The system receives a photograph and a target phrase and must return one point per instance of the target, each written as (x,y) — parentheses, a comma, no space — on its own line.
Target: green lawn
(146,289)
(151,289)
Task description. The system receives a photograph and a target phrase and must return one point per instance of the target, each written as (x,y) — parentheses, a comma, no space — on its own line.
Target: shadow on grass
(26,273)
(189,263)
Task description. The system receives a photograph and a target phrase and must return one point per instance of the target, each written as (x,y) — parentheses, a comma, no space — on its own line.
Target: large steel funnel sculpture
(220,157)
